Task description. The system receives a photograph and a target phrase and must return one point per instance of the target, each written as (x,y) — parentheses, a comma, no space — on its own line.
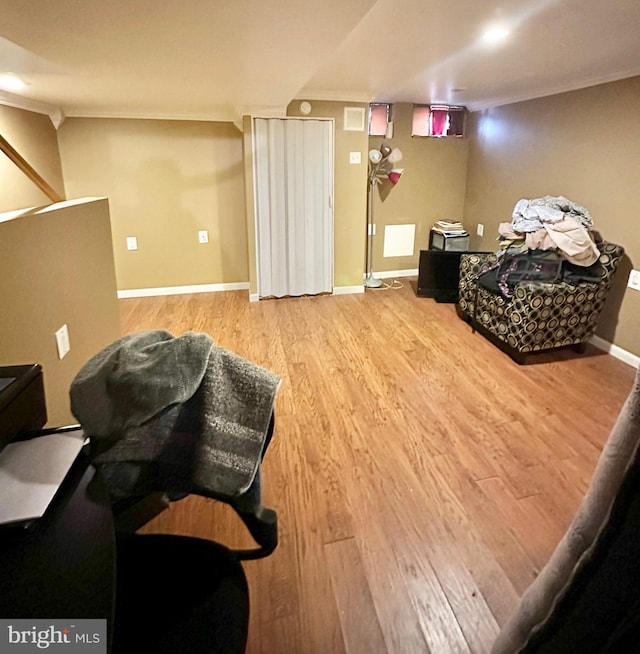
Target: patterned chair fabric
(540,316)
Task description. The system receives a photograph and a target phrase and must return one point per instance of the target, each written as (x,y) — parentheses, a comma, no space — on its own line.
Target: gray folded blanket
(174,414)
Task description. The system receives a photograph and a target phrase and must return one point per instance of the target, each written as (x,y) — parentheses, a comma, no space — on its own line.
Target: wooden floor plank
(360,625)
(430,508)
(421,477)
(490,553)
(440,628)
(533,529)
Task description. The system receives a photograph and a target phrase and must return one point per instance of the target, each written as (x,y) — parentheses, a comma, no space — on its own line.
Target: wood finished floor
(421,478)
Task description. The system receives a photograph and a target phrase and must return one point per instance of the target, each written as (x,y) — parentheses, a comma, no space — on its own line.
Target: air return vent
(354,119)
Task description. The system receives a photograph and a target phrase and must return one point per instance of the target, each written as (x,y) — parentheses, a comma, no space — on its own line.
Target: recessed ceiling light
(11,82)
(495,34)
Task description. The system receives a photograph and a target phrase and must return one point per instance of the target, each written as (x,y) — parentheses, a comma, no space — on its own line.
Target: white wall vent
(354,119)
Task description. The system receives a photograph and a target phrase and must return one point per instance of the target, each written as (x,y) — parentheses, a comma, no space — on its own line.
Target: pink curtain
(439,122)
(378,118)
(420,125)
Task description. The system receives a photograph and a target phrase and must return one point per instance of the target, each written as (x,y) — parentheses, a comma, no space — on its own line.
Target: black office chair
(185,595)
(174,417)
(179,594)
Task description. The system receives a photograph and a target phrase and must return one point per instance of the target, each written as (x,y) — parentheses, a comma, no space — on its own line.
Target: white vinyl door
(294,205)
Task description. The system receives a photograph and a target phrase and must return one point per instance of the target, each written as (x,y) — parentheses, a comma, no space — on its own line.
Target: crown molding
(554,90)
(56,115)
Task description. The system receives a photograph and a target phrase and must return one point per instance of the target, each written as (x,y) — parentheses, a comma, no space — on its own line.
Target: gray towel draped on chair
(175,414)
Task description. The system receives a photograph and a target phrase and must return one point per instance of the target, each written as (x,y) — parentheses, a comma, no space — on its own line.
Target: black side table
(439,274)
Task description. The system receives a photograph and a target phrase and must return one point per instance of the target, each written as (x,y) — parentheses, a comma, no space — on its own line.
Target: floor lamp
(380,167)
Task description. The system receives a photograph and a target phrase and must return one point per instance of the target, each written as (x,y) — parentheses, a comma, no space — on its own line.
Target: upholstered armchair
(538,316)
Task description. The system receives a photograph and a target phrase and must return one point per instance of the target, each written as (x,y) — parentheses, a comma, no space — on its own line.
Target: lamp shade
(394,175)
(395,155)
(375,156)
(385,149)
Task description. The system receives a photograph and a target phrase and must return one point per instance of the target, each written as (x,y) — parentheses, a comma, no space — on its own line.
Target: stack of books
(449,228)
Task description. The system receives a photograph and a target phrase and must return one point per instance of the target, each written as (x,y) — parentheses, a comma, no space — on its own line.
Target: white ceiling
(215,59)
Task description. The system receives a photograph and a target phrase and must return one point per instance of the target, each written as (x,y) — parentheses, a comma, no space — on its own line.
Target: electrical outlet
(203,236)
(62,341)
(132,243)
(634,280)
(355,157)
(480,229)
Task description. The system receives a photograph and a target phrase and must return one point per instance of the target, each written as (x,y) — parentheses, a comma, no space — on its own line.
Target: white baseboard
(347,290)
(386,274)
(179,290)
(616,351)
(337,290)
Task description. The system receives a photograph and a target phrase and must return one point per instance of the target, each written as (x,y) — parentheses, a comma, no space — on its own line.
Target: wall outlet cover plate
(634,280)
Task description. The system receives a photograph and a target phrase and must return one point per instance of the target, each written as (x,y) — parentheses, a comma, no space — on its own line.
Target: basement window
(378,119)
(438,120)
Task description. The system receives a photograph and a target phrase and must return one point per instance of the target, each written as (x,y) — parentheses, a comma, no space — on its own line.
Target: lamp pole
(379,166)
(371,281)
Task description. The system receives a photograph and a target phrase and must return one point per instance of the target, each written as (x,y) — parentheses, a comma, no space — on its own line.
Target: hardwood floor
(421,478)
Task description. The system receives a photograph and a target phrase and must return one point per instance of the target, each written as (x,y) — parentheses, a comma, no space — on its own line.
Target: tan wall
(431,188)
(34,137)
(56,267)
(165,181)
(350,193)
(584,145)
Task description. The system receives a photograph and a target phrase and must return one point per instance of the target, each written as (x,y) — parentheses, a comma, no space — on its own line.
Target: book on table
(449,228)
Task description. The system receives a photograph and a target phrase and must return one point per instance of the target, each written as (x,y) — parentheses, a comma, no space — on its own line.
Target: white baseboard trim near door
(180,290)
(616,351)
(386,274)
(337,290)
(348,290)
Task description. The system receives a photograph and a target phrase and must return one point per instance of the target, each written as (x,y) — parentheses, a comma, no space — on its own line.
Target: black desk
(64,565)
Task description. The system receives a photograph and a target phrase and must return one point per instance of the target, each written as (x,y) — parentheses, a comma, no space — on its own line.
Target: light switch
(62,341)
(355,157)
